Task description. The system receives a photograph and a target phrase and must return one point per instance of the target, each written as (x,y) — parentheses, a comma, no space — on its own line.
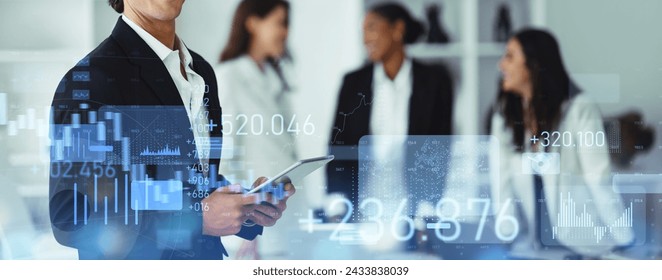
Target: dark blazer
(430,113)
(124,70)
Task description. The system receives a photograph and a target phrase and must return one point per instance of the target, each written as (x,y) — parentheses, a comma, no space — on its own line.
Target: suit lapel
(214,108)
(365,87)
(418,102)
(152,70)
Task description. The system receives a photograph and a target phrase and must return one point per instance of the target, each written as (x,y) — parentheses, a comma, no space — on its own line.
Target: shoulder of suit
(102,59)
(361,73)
(201,65)
(98,59)
(431,69)
(108,48)
(198,59)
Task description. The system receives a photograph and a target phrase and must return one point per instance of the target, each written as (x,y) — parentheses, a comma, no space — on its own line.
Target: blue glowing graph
(157,195)
(429,167)
(277,192)
(115,200)
(80,76)
(152,135)
(79,142)
(166,151)
(80,94)
(132,136)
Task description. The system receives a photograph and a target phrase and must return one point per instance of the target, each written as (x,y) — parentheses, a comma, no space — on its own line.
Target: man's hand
(228,210)
(267,214)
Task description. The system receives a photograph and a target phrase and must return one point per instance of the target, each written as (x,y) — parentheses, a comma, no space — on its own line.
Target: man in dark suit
(143,72)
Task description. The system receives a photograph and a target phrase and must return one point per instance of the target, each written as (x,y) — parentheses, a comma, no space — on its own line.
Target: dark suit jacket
(430,113)
(124,70)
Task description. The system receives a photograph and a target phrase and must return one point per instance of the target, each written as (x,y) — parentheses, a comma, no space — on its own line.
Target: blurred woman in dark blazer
(392,95)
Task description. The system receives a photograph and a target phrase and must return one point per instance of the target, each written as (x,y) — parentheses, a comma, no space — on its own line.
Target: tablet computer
(296,171)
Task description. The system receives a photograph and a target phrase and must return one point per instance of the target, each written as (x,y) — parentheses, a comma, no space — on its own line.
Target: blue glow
(95,193)
(115,195)
(126,199)
(157,195)
(80,94)
(75,204)
(81,76)
(78,144)
(85,210)
(136,212)
(105,210)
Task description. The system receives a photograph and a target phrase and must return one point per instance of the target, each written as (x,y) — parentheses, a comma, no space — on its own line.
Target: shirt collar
(400,78)
(161,50)
(184,54)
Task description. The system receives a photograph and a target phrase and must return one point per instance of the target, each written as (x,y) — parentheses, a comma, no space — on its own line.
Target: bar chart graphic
(157,195)
(155,135)
(79,143)
(578,223)
(125,135)
(95,201)
(165,151)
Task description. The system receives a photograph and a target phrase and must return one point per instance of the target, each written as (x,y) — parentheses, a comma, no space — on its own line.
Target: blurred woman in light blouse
(254,91)
(542,120)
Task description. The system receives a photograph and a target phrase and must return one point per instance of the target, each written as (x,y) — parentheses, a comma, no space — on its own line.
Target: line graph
(338,130)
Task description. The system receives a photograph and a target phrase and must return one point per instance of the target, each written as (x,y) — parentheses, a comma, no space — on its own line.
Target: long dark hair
(240,39)
(393,12)
(550,82)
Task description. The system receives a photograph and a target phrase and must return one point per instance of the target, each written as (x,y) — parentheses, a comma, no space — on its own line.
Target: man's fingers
(249,199)
(290,190)
(259,181)
(234,189)
(262,220)
(264,215)
(268,210)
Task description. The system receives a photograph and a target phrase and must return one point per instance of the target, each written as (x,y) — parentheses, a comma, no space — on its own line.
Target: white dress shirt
(389,123)
(191,88)
(390,108)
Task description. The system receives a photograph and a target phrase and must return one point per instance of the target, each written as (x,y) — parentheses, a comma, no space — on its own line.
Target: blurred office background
(611,47)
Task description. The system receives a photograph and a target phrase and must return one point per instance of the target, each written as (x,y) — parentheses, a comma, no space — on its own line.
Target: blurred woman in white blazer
(256,96)
(553,152)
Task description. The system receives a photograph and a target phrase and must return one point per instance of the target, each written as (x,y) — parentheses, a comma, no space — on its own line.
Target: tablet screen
(296,172)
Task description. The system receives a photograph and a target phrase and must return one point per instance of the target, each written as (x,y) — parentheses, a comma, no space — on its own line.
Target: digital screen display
(460,130)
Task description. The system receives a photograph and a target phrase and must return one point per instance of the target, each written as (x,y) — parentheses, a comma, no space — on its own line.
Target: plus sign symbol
(310,221)
(211,125)
(534,140)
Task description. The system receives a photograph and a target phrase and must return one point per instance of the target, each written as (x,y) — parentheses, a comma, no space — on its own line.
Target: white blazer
(251,114)
(584,176)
